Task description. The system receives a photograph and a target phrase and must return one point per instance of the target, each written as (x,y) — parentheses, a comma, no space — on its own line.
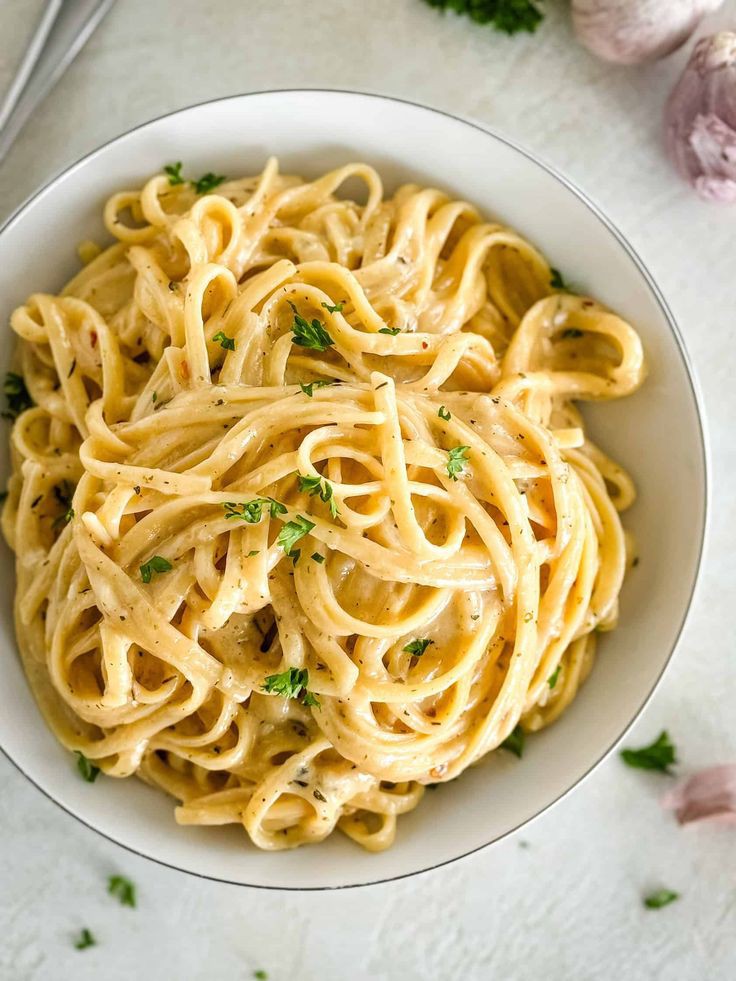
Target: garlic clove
(633,31)
(700,119)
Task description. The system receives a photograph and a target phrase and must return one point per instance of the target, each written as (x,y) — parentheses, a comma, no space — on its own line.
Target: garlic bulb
(632,31)
(700,119)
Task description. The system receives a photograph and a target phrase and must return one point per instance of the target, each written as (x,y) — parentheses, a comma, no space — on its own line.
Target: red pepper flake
(424,345)
(93,338)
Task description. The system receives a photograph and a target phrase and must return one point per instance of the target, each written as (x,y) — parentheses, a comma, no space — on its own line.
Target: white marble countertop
(567,907)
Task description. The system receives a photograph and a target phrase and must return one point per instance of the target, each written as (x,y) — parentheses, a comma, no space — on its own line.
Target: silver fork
(62,32)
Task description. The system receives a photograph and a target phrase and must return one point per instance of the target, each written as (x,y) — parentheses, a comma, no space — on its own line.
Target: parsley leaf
(118,885)
(571,332)
(228,343)
(87,769)
(293,531)
(660,898)
(556,281)
(252,511)
(17,395)
(417,647)
(552,680)
(318,485)
(336,309)
(290,684)
(456,460)
(313,335)
(393,331)
(444,413)
(309,388)
(318,558)
(509,16)
(64,492)
(515,742)
(207,182)
(85,940)
(260,975)
(158,564)
(659,755)
(174,173)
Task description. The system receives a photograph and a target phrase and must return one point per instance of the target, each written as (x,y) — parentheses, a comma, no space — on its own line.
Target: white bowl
(657,434)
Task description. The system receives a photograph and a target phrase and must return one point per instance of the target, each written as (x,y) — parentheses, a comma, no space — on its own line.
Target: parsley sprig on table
(85,940)
(509,16)
(660,898)
(118,885)
(659,755)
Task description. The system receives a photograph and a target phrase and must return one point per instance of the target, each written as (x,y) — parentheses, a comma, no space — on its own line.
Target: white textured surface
(568,906)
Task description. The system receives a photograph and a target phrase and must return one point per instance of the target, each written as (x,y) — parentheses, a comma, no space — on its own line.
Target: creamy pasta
(305,517)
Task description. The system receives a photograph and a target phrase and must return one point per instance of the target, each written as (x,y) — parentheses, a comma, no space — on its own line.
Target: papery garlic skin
(633,31)
(700,119)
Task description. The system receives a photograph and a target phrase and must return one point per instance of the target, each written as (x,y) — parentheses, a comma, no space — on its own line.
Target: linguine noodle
(304,514)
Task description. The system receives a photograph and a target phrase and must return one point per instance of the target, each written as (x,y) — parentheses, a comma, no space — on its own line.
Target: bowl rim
(704,474)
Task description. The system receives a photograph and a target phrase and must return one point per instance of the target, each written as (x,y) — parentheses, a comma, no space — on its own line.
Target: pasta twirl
(304,513)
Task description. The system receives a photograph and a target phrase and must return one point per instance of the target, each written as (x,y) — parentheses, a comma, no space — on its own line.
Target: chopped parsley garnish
(253,551)
(318,558)
(208,182)
(393,331)
(291,683)
(572,332)
(552,680)
(509,16)
(515,742)
(174,173)
(252,511)
(660,755)
(118,885)
(337,308)
(64,492)
(444,413)
(260,975)
(660,898)
(311,335)
(557,282)
(456,460)
(17,395)
(309,388)
(417,647)
(228,343)
(156,564)
(293,531)
(85,940)
(87,769)
(318,485)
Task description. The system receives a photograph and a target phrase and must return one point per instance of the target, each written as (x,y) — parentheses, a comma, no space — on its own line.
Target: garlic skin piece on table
(700,119)
(632,31)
